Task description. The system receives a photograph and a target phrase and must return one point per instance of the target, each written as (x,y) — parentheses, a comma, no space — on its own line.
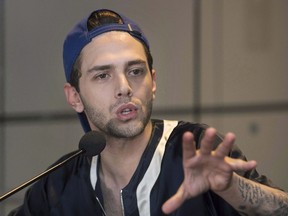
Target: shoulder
(174,130)
(53,185)
(78,166)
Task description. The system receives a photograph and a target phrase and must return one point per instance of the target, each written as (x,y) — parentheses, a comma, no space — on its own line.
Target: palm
(205,172)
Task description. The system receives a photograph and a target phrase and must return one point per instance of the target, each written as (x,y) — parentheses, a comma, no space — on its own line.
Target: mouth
(127,111)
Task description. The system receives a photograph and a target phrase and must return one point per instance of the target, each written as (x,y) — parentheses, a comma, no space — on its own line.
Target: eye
(136,72)
(101,76)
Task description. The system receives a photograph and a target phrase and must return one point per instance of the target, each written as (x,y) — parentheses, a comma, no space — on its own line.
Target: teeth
(126,111)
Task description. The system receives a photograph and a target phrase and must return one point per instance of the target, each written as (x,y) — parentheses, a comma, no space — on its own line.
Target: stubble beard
(113,127)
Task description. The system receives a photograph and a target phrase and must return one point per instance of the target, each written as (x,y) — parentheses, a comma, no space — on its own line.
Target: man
(148,167)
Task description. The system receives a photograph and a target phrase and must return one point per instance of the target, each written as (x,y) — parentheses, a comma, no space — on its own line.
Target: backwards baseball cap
(82,34)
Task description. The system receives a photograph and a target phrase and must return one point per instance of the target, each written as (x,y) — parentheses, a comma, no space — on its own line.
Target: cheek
(90,91)
(150,87)
(146,91)
(93,97)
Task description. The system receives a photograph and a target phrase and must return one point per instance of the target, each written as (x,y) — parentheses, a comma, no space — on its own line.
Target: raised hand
(205,169)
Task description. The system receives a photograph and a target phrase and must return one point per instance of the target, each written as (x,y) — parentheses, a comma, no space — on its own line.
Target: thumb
(174,202)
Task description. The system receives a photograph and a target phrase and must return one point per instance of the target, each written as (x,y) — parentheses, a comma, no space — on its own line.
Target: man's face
(116,86)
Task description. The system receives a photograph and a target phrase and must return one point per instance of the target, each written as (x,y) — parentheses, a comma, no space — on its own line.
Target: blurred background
(221,62)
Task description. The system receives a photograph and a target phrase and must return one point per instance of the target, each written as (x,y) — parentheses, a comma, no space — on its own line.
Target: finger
(225,147)
(241,165)
(174,202)
(189,149)
(207,141)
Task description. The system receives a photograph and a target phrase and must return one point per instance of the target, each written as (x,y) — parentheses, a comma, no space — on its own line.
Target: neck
(126,153)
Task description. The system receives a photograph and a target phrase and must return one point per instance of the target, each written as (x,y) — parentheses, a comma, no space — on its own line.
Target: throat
(114,176)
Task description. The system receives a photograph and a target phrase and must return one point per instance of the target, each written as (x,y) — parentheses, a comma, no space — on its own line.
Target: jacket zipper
(101,206)
(122,204)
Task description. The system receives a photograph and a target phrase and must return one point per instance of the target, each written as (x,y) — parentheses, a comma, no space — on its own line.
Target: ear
(153,74)
(73,98)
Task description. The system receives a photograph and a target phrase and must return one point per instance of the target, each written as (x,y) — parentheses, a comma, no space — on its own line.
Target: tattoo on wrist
(254,196)
(249,192)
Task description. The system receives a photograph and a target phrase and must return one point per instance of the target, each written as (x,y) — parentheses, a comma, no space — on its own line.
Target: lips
(127,112)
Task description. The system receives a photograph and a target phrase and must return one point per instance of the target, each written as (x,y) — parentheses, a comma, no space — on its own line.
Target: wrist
(230,188)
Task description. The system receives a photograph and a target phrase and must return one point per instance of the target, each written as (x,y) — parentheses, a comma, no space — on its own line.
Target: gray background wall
(220,62)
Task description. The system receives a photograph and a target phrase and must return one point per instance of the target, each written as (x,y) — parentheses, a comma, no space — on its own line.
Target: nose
(123,88)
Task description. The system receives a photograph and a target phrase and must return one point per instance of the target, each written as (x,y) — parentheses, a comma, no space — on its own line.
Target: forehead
(113,43)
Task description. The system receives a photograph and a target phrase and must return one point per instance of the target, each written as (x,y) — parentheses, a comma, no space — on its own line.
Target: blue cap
(80,36)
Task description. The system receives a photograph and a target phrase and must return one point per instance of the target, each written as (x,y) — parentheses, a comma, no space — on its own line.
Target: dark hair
(99,18)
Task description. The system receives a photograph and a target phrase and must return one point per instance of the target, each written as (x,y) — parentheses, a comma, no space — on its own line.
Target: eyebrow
(109,66)
(135,62)
(100,68)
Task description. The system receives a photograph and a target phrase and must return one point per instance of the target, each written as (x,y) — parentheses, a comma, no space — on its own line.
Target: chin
(129,130)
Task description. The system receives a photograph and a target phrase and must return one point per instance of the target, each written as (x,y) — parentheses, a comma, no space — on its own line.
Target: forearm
(252,198)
